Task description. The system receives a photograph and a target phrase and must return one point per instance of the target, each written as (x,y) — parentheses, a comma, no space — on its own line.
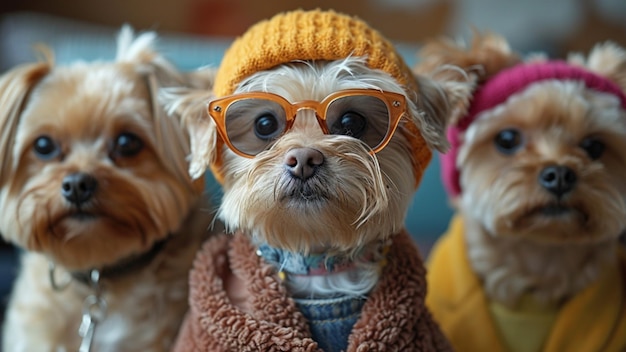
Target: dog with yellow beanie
(319,134)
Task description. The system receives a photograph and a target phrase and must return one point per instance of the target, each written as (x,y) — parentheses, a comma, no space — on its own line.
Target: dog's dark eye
(508,141)
(266,126)
(349,124)
(593,147)
(127,144)
(45,148)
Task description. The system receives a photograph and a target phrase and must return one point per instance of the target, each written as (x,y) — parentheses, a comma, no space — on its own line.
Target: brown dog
(94,188)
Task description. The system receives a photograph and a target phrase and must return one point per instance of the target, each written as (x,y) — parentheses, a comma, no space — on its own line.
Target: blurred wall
(401,20)
(554,26)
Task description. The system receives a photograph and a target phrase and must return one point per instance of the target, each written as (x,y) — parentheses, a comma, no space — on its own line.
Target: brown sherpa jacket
(394,318)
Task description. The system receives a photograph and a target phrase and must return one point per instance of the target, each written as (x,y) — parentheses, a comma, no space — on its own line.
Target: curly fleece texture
(394,318)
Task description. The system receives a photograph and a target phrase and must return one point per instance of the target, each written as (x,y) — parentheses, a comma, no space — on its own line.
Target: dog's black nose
(557,179)
(303,162)
(78,187)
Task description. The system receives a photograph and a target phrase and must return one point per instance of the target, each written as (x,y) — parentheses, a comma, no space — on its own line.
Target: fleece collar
(393,317)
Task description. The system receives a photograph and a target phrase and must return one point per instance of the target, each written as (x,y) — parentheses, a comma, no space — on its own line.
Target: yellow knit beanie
(314,35)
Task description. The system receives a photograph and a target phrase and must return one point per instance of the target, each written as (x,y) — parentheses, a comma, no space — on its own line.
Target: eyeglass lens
(252,124)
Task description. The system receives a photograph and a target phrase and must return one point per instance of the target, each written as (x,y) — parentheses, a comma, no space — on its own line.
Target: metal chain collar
(94,306)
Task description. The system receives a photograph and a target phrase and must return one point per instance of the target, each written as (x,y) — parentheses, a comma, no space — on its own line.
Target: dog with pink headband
(531,260)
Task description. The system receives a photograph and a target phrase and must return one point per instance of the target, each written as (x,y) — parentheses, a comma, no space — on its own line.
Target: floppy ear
(442,98)
(189,106)
(172,140)
(15,86)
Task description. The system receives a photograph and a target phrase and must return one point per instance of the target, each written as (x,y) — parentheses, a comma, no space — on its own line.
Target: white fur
(361,198)
(357,282)
(380,210)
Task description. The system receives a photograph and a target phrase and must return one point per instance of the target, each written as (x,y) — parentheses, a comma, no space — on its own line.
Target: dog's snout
(557,179)
(78,187)
(303,162)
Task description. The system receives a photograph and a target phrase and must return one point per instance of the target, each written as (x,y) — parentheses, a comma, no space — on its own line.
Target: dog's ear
(607,59)
(442,98)
(139,51)
(15,86)
(172,140)
(448,72)
(189,106)
(487,54)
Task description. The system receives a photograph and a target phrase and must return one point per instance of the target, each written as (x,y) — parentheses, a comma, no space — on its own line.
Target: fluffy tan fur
(485,56)
(88,115)
(514,247)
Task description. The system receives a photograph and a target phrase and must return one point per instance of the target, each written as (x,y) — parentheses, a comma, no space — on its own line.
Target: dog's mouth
(558,211)
(75,219)
(554,210)
(81,215)
(303,191)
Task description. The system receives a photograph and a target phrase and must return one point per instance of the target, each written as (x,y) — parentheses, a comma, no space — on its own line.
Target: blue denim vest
(331,320)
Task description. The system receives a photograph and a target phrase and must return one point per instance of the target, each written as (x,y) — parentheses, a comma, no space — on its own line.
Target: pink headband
(499,88)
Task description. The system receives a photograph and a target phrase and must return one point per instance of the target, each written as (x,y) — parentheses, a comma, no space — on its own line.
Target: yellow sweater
(594,320)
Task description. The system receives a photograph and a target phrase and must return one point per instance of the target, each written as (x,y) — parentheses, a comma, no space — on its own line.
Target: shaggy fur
(94,178)
(363,198)
(511,245)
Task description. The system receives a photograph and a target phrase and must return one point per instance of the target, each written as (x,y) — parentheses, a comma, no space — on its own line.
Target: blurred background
(555,26)
(195,33)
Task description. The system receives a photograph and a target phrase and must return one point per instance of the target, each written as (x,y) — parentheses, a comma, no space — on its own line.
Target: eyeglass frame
(395,102)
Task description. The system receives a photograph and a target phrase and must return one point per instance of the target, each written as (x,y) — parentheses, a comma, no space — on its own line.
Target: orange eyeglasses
(249,123)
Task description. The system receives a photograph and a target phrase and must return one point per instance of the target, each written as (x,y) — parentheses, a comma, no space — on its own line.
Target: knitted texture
(314,35)
(499,88)
(394,317)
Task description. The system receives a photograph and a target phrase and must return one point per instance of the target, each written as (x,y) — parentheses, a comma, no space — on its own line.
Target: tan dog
(95,190)
(320,136)
(532,261)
